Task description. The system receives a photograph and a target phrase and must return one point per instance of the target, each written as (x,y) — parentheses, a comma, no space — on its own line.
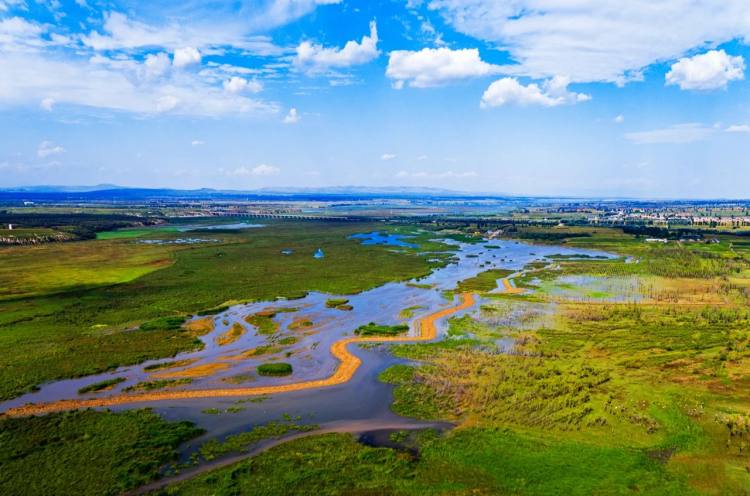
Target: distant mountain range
(112,192)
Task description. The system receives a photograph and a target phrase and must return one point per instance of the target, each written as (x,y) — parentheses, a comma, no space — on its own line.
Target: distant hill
(111,192)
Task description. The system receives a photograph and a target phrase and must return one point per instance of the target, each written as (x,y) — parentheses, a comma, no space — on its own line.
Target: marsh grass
(373,329)
(157,384)
(87,452)
(101,385)
(275,369)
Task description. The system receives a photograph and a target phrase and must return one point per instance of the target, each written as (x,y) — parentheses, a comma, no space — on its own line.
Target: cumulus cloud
(236,84)
(197,143)
(619,119)
(435,66)
(387,156)
(186,56)
(313,58)
(48,149)
(292,117)
(708,71)
(676,134)
(553,92)
(593,40)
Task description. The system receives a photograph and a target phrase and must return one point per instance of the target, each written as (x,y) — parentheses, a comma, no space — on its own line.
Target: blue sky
(547,97)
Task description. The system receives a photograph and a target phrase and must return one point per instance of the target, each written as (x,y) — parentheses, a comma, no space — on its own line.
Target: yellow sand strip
(345,371)
(508,288)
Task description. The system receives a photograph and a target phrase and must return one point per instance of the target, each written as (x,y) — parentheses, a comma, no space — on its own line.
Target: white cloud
(29,78)
(738,128)
(708,71)
(387,156)
(260,170)
(278,12)
(553,92)
(186,56)
(17,34)
(199,26)
(166,103)
(265,170)
(7,4)
(313,58)
(422,157)
(619,119)
(47,104)
(677,134)
(197,143)
(292,117)
(47,149)
(435,66)
(436,175)
(236,84)
(595,40)
(124,33)
(156,64)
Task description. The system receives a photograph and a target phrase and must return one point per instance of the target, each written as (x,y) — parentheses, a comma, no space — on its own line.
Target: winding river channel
(335,381)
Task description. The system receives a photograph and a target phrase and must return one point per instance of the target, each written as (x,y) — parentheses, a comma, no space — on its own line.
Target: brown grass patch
(197,371)
(233,334)
(300,323)
(200,327)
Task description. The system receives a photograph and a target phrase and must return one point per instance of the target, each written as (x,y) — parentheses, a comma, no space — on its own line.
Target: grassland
(86,453)
(73,309)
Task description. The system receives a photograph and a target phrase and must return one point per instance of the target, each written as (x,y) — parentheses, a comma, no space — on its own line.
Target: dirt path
(345,371)
(356,427)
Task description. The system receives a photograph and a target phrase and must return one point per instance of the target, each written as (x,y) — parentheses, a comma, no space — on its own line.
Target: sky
(630,98)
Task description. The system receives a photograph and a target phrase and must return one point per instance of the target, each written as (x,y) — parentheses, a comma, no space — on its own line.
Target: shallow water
(378,238)
(212,227)
(364,397)
(595,288)
(178,241)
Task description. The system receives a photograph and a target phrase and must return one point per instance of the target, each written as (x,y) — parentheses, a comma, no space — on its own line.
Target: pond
(378,238)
